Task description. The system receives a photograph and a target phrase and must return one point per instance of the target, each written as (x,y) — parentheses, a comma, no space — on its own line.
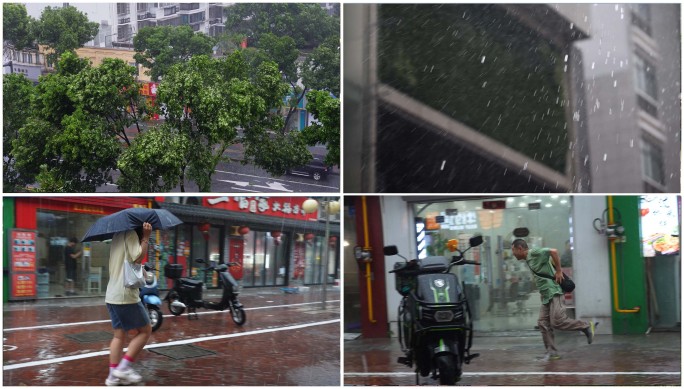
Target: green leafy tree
(326,129)
(71,139)
(17,26)
(206,100)
(64,29)
(155,162)
(18,91)
(159,48)
(110,92)
(307,23)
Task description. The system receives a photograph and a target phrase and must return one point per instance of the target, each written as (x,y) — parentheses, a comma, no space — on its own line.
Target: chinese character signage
(22,244)
(289,207)
(23,251)
(24,285)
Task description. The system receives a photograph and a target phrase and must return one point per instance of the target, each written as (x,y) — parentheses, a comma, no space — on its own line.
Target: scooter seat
(190,282)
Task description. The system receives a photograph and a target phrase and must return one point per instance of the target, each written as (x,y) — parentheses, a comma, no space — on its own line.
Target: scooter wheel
(447,366)
(156,318)
(176,311)
(238,315)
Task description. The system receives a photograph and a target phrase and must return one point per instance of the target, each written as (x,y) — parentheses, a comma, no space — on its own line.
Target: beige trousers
(552,316)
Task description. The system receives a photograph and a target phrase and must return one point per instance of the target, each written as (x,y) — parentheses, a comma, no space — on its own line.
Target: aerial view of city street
(171,97)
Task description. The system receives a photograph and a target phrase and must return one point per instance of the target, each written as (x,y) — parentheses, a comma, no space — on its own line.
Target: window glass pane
(259,258)
(248,259)
(645,76)
(653,161)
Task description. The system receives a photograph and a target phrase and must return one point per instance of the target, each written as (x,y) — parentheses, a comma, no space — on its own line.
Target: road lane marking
(174,343)
(199,313)
(278,179)
(520,373)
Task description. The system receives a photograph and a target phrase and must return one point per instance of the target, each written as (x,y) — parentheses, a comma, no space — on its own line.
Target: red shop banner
(289,207)
(23,251)
(24,285)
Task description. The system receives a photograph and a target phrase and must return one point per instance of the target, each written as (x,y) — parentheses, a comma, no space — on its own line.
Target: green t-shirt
(539,260)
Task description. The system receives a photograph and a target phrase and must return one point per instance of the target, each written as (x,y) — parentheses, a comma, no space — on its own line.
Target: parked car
(315,169)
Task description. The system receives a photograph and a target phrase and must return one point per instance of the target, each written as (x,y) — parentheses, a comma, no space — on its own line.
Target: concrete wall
(397,220)
(591,263)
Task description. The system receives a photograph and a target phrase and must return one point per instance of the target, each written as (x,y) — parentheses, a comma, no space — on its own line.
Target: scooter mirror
(390,250)
(475,241)
(199,260)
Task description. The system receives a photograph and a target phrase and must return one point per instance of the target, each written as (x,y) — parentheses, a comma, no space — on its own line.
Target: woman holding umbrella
(129,231)
(127,312)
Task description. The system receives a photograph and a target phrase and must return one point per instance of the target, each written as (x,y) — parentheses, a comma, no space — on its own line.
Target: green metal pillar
(8,222)
(630,269)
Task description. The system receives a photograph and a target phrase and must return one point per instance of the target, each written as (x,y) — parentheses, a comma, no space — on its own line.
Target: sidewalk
(288,339)
(513,359)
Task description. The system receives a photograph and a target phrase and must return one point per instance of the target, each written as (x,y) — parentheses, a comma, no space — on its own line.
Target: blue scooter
(149,294)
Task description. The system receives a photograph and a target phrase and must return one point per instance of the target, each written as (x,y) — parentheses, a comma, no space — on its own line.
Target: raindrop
(565,68)
(525,166)
(614,83)
(566,58)
(586,159)
(631,143)
(605,157)
(443,163)
(576,116)
(484,84)
(483,59)
(617,7)
(598,104)
(432,68)
(592,64)
(572,26)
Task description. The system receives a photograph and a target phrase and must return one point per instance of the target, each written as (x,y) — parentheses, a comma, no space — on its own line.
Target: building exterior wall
(616,124)
(97,54)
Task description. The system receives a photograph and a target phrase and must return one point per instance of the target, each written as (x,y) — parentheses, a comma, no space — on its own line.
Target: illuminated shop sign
(462,221)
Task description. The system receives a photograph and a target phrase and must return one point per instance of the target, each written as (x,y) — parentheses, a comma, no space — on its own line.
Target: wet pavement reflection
(288,339)
(515,359)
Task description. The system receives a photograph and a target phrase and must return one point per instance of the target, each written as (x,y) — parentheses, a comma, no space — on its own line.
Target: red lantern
(204,227)
(276,234)
(244,230)
(333,241)
(310,236)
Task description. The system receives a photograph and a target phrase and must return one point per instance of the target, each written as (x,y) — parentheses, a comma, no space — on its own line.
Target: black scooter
(187,293)
(434,320)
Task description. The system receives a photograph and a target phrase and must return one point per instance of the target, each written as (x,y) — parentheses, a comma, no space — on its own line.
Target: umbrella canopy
(130,219)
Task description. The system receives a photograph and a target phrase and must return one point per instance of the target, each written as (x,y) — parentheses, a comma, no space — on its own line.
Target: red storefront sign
(27,208)
(23,251)
(24,285)
(288,207)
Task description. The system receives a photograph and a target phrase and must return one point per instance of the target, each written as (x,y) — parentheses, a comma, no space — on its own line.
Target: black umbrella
(130,219)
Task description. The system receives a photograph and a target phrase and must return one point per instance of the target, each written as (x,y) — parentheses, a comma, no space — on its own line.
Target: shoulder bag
(567,285)
(134,277)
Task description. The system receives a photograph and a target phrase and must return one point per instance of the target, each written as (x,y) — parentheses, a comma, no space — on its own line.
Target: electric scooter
(149,294)
(187,293)
(434,320)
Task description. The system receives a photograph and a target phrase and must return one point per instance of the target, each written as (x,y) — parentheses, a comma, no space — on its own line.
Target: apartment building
(512,98)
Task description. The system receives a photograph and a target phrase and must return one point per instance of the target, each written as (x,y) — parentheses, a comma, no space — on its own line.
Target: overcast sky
(96,12)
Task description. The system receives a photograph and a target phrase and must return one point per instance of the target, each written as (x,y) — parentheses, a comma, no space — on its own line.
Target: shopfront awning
(200,214)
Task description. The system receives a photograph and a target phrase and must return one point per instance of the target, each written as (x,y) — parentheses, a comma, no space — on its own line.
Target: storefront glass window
(259,258)
(55,228)
(280,267)
(248,260)
(501,289)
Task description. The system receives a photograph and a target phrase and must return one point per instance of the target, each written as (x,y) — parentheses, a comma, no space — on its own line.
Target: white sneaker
(114,381)
(129,375)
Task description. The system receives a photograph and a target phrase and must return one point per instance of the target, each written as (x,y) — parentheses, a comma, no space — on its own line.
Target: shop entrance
(501,290)
(265,259)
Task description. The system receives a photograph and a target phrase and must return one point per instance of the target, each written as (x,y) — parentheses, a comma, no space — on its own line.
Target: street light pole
(327,251)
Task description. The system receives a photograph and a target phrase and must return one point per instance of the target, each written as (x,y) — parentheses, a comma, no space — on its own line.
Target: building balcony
(124,20)
(147,15)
